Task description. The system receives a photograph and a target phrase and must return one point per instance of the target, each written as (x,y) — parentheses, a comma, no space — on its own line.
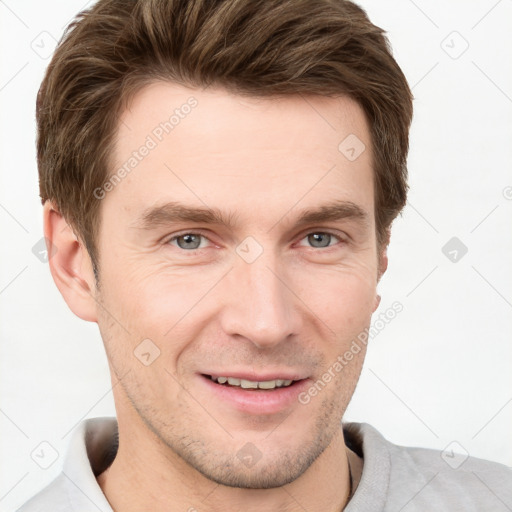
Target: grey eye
(190,241)
(320,239)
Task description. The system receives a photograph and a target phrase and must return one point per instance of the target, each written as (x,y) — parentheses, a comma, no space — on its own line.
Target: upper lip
(259,377)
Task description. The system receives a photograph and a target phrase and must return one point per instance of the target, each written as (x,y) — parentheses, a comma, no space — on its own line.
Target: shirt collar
(89,444)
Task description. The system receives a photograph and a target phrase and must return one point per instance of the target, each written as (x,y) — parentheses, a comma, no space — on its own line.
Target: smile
(250,384)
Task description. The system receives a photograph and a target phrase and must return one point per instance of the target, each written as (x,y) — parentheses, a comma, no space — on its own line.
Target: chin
(259,476)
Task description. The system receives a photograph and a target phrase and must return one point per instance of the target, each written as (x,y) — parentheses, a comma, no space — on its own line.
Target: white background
(441,371)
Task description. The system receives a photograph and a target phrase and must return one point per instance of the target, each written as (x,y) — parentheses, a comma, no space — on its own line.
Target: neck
(147,475)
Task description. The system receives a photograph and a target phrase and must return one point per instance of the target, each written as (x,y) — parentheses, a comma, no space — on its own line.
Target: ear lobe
(70,264)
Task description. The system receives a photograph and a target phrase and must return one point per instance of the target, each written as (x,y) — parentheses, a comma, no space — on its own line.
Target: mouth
(253,385)
(256,397)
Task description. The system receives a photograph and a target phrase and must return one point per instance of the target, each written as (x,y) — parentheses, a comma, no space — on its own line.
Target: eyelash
(179,235)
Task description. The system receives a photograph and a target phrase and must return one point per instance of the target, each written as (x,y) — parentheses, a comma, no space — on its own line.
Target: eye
(321,239)
(191,241)
(188,241)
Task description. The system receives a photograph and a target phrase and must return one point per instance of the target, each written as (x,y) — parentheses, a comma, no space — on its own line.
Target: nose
(259,303)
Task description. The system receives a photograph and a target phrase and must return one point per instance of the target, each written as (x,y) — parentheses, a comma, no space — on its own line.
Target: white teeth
(269,384)
(250,384)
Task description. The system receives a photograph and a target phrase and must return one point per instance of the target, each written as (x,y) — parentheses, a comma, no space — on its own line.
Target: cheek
(142,290)
(342,296)
(167,306)
(166,296)
(156,299)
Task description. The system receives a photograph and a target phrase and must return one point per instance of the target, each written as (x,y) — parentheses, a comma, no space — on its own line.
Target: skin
(297,306)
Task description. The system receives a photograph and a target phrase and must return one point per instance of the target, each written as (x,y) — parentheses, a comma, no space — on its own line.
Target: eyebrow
(173,211)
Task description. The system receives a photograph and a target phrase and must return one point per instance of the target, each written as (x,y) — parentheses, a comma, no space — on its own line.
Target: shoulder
(430,479)
(64,495)
(53,497)
(91,446)
(450,477)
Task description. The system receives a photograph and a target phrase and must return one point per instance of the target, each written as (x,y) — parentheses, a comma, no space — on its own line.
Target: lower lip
(257,401)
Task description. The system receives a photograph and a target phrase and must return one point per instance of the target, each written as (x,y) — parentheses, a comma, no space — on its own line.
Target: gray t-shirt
(394,478)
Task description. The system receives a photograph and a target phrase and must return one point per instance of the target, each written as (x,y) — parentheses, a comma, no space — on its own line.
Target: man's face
(262,298)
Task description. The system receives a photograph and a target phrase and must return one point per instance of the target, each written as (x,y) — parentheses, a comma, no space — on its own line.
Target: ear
(70,264)
(382,263)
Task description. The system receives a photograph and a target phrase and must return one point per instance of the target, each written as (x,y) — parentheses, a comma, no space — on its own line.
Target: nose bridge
(259,305)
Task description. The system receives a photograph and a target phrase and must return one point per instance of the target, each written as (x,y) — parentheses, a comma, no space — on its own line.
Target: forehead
(161,108)
(216,147)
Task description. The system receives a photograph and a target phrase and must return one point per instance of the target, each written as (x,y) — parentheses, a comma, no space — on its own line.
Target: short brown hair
(250,47)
